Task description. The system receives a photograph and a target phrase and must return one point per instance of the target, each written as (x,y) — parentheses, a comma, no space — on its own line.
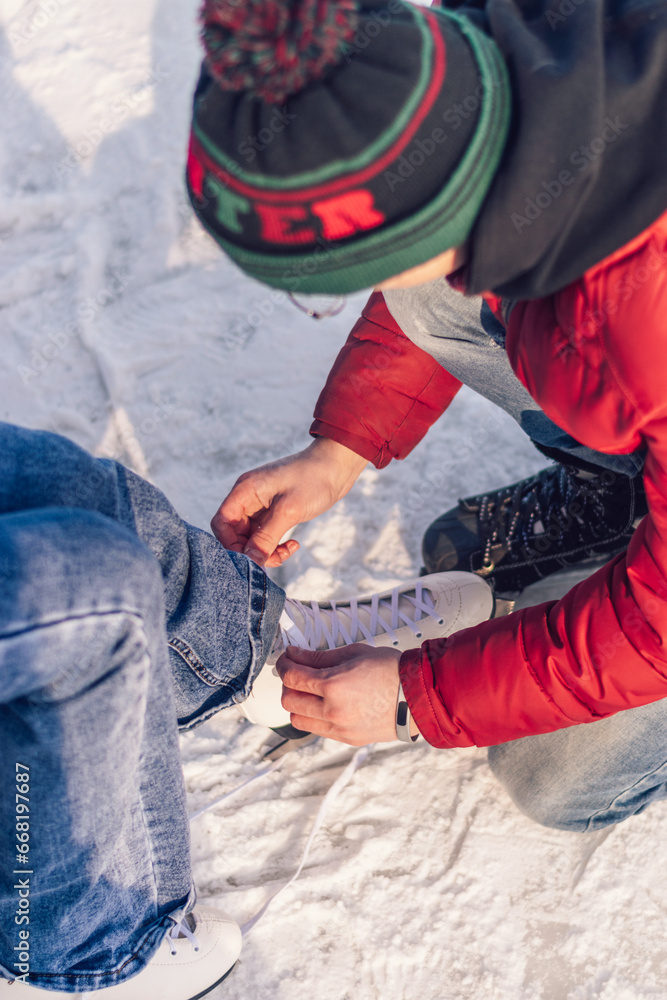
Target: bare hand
(348,694)
(267,502)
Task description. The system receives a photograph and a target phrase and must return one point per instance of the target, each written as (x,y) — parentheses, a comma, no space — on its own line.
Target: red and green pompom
(273,48)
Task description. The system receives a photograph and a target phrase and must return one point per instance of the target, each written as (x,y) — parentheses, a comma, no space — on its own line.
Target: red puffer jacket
(594,356)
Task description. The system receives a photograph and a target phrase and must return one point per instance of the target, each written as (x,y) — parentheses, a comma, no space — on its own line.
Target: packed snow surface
(124,328)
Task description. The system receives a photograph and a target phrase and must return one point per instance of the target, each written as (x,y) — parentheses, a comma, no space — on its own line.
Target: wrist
(337,455)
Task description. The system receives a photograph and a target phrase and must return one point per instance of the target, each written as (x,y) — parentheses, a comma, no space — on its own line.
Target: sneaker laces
(182,928)
(356,620)
(526,512)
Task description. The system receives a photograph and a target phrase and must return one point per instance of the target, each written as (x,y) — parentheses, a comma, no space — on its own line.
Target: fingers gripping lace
(357,621)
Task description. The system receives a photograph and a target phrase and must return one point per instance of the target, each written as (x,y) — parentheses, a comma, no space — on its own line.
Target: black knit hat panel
(327,115)
(406,126)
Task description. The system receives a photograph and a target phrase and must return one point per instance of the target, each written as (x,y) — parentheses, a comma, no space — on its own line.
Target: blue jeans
(119,623)
(590,776)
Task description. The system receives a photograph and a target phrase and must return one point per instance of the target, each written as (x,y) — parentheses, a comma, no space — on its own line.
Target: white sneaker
(196,954)
(431,607)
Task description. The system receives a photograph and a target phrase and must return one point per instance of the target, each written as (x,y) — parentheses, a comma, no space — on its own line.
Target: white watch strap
(403,718)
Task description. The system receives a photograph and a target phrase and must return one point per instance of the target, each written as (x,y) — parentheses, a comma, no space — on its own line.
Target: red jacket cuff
(419,687)
(362,446)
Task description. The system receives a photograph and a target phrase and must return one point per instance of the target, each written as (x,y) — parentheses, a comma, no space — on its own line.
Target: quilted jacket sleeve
(383,393)
(603,647)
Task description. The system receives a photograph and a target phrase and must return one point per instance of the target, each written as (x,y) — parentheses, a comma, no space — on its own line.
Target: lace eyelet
(395,642)
(418,635)
(441,621)
(173,952)
(197,949)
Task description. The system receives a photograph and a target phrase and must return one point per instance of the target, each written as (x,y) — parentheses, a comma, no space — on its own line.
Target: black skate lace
(507,520)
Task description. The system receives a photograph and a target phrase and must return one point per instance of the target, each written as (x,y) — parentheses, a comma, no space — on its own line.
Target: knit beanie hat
(336,143)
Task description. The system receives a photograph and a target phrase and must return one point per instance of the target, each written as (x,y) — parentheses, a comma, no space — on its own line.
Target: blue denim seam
(150,845)
(202,716)
(258,576)
(183,649)
(620,794)
(40,626)
(93,613)
(67,977)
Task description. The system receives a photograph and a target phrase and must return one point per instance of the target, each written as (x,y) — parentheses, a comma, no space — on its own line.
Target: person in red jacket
(509,155)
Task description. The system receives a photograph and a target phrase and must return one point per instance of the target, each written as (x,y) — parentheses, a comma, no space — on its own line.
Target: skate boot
(519,534)
(197,952)
(429,608)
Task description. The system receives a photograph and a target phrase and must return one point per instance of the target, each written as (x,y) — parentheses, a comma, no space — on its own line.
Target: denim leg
(87,711)
(222,610)
(464,336)
(91,687)
(590,776)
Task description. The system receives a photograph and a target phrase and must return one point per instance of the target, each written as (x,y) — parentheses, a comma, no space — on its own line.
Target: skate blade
(278,746)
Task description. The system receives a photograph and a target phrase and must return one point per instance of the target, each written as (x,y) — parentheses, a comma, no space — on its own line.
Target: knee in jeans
(84,594)
(98,563)
(542,796)
(114,555)
(42,469)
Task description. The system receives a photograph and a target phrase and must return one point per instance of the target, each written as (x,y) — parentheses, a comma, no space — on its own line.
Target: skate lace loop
(514,520)
(339,626)
(181,929)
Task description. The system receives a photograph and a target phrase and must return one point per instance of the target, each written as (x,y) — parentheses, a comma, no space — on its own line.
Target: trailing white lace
(338,785)
(356,621)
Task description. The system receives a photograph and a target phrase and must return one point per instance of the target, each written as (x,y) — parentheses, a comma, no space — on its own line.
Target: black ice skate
(523,532)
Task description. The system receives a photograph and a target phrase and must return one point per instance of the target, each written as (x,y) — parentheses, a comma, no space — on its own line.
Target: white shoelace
(339,626)
(181,929)
(338,785)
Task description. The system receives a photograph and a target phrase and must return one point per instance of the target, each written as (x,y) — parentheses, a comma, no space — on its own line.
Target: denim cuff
(215,664)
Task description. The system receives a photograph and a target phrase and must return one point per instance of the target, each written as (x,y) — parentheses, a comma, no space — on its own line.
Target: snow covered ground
(124,328)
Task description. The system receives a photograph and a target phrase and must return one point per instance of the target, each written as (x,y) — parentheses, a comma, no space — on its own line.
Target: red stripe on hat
(342,183)
(195,172)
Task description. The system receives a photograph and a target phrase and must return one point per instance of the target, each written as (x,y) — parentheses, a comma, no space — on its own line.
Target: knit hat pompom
(273,48)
